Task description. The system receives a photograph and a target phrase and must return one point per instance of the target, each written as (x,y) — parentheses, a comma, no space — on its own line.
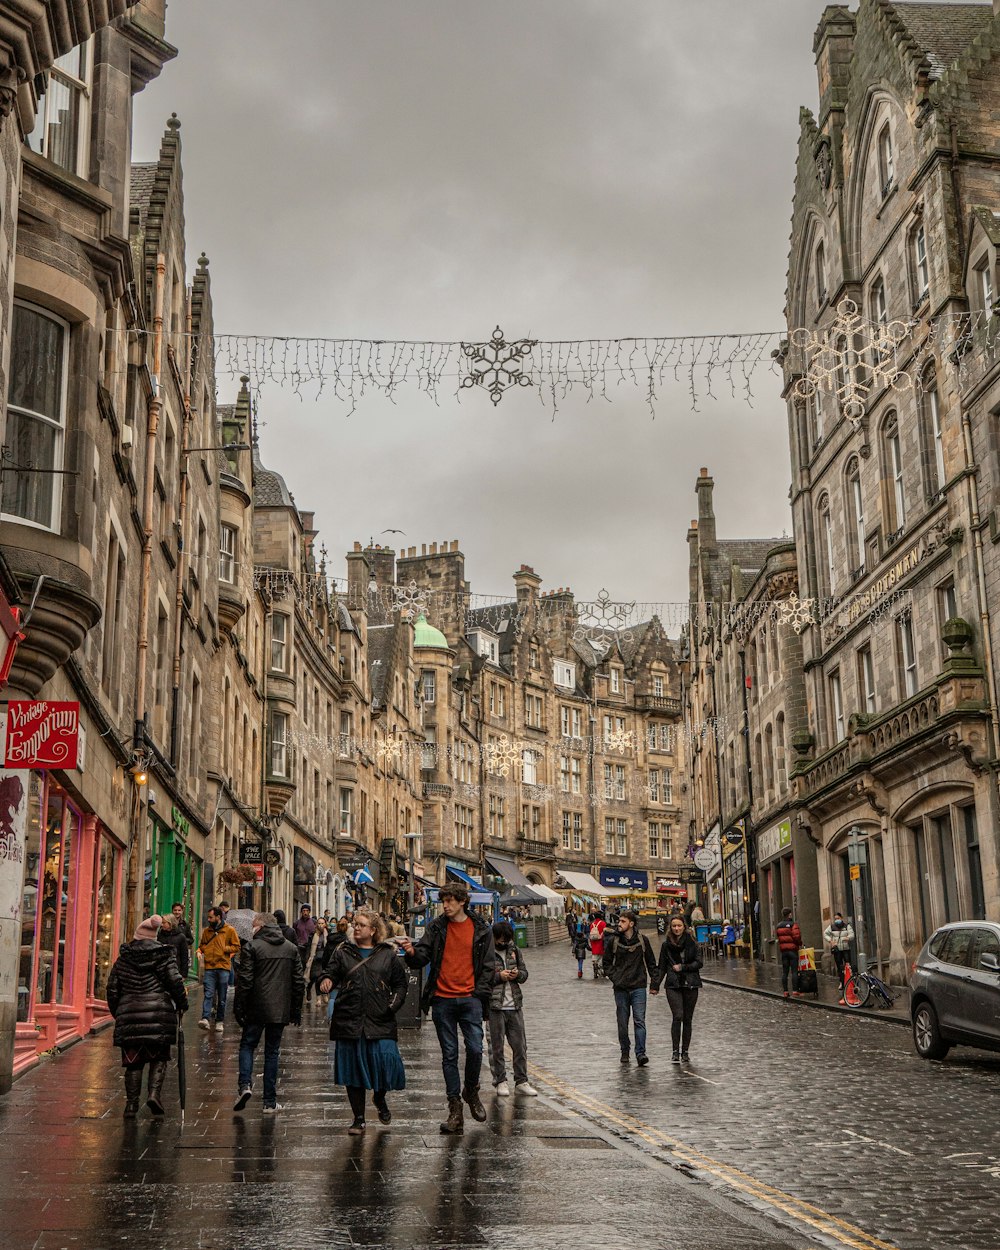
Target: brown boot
(133,1092)
(476,1108)
(456,1120)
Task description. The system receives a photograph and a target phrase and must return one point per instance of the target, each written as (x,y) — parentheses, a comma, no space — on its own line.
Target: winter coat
(597,930)
(508,959)
(626,961)
(840,939)
(219,946)
(789,937)
(145,993)
(688,956)
(370,991)
(581,944)
(178,943)
(314,956)
(304,928)
(284,926)
(430,950)
(269,984)
(321,964)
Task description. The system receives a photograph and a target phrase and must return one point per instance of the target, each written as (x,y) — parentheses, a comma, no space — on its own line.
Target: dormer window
(658,687)
(984,284)
(533,656)
(886,163)
(63,126)
(564,674)
(616,681)
(485,644)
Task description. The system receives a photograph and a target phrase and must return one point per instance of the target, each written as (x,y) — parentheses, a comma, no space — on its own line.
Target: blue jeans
(450,1014)
(329,1006)
(216,986)
(252,1033)
(633,1001)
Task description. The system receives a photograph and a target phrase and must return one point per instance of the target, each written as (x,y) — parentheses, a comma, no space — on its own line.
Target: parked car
(956,990)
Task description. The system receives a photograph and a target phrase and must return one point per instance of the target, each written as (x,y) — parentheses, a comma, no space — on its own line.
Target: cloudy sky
(563,168)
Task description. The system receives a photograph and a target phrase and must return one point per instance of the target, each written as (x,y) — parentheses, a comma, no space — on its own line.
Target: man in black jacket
(269,991)
(628,958)
(459,948)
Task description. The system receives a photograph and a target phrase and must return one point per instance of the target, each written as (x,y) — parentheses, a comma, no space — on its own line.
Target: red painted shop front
(70,921)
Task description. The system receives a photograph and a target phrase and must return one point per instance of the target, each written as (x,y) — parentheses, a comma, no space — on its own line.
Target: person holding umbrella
(145,993)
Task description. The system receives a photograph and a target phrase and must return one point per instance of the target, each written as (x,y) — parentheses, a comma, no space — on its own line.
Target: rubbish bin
(521,935)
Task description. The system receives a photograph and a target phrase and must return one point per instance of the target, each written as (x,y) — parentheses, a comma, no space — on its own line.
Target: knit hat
(146,932)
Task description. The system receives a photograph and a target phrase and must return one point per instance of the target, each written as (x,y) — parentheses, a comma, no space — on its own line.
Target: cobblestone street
(748,1148)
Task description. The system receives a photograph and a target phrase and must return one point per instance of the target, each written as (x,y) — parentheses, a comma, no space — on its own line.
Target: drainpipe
(181,552)
(748,849)
(142,645)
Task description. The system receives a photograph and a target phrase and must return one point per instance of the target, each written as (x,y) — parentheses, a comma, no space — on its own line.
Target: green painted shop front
(173,870)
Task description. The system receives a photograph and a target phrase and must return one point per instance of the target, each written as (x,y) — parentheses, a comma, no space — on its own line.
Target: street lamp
(410,838)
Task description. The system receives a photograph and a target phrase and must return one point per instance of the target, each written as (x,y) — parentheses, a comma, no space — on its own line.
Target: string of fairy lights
(849,357)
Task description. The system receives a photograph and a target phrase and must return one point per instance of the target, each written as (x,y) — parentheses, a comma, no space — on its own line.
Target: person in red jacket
(789,937)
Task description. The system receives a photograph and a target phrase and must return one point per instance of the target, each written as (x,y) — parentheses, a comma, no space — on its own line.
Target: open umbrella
(181,1067)
(241,919)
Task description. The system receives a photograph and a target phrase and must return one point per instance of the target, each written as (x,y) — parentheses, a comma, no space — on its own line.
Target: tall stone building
(746,705)
(896,192)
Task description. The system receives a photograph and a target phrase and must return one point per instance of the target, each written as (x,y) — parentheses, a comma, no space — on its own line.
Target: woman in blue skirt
(370,979)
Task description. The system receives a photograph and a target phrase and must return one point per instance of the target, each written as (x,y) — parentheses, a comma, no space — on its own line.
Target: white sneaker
(219,1027)
(527,1090)
(204,1024)
(503,1090)
(271,1110)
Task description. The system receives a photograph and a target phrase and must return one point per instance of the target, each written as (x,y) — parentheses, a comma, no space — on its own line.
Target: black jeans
(840,958)
(682,1004)
(790,963)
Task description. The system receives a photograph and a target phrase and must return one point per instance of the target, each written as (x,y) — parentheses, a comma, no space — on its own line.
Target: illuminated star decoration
(409,601)
(389,751)
(851,358)
(796,612)
(620,740)
(602,620)
(501,756)
(497,365)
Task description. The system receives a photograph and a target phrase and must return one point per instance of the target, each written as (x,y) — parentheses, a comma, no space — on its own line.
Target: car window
(958,948)
(936,944)
(986,943)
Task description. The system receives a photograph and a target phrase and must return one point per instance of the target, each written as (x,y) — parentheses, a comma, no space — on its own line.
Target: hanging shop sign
(252,854)
(774,841)
(667,885)
(624,878)
(704,858)
(180,822)
(42,734)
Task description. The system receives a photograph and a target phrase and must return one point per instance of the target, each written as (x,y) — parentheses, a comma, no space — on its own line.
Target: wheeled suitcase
(808,984)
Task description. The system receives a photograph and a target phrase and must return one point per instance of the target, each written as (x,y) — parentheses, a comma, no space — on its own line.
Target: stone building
(76,384)
(745,702)
(549,756)
(892,496)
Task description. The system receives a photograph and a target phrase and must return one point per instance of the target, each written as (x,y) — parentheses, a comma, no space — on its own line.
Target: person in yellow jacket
(219,943)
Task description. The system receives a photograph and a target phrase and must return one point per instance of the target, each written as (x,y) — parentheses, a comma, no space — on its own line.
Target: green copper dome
(425,635)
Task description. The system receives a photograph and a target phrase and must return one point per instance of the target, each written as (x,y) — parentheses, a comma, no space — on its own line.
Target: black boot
(456,1120)
(471,1096)
(133,1092)
(154,1087)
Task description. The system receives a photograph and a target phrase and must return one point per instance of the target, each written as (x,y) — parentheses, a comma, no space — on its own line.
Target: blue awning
(464,877)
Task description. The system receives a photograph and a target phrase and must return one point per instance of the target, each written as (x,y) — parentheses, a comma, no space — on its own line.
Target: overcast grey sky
(565,168)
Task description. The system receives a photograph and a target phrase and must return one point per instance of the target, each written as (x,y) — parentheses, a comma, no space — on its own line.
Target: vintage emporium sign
(41,734)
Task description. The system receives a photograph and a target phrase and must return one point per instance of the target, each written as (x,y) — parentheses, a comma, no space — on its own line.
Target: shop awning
(513,875)
(464,877)
(547,892)
(585,883)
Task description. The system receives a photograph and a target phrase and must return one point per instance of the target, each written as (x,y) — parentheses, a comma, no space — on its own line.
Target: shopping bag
(807,959)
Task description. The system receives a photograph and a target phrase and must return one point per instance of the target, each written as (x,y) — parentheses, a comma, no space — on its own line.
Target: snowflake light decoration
(389,750)
(796,612)
(501,756)
(852,359)
(410,601)
(497,365)
(602,620)
(621,740)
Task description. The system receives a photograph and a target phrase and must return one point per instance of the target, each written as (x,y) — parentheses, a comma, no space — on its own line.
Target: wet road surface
(791,1128)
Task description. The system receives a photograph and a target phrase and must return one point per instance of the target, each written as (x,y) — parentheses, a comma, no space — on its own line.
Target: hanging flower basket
(238,874)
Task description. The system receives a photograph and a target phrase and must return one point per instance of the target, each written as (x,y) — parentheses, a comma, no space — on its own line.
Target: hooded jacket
(145,993)
(370,991)
(627,960)
(430,951)
(269,984)
(789,937)
(178,943)
(840,939)
(509,959)
(687,955)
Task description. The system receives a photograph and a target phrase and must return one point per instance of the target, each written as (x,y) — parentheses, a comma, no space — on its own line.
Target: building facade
(893,485)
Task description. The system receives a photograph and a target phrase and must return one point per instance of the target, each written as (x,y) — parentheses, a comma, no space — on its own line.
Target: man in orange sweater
(459,948)
(218,945)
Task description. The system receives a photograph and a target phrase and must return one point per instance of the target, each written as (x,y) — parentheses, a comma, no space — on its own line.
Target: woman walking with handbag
(370,979)
(679,966)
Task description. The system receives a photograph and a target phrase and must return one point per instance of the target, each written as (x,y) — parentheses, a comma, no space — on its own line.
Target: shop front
(173,872)
(72,908)
(779,887)
(735,885)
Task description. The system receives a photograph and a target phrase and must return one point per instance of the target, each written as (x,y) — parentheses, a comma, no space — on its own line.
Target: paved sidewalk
(764,978)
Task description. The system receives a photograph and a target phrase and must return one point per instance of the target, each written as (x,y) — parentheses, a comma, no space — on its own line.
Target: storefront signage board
(42,734)
(624,879)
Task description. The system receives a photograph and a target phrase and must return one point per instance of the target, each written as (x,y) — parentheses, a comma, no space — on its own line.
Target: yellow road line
(805,1212)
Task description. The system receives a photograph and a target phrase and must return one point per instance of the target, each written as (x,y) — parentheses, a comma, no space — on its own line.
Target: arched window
(933,449)
(758,767)
(769,758)
(893,468)
(886,161)
(820,268)
(855,514)
(879,307)
(825,571)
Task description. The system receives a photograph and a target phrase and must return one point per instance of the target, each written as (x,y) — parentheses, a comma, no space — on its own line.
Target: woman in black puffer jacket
(679,965)
(145,993)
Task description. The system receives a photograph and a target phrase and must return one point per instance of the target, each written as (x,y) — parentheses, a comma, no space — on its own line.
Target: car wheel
(927,1037)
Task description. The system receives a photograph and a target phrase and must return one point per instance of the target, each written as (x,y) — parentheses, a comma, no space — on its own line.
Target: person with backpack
(581,944)
(597,927)
(628,964)
(679,966)
(789,937)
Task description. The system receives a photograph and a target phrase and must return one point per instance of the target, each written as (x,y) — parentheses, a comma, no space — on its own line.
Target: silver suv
(956,990)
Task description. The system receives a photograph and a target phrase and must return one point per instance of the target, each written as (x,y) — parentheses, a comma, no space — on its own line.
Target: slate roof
(945,32)
(141,183)
(345,618)
(269,489)
(990,221)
